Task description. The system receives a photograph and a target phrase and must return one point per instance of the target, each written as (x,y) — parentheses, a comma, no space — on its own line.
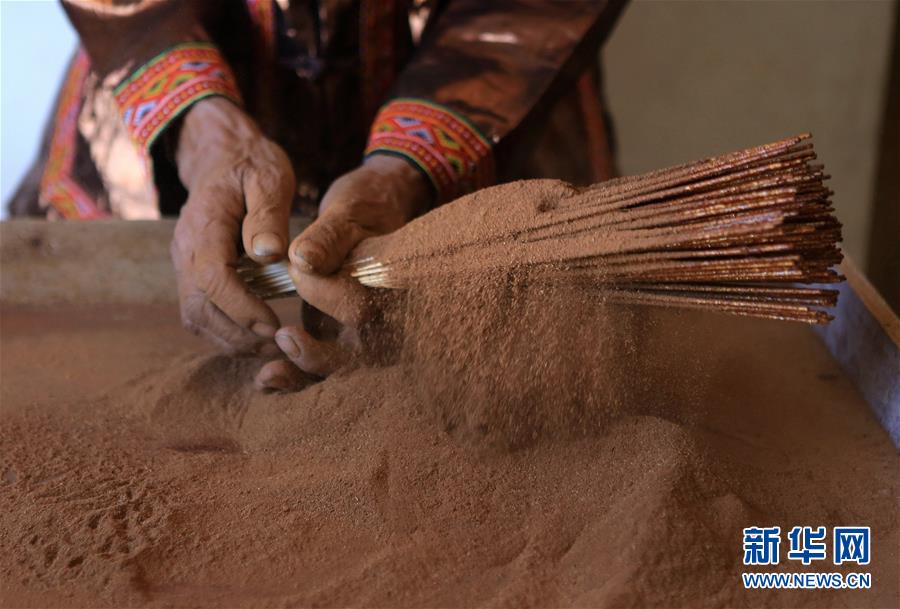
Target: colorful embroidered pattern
(450,151)
(58,188)
(171,82)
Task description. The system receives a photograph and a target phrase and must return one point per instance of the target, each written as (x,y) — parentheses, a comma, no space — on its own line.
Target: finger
(254,345)
(281,376)
(316,357)
(340,296)
(203,318)
(205,246)
(213,253)
(224,287)
(325,243)
(268,193)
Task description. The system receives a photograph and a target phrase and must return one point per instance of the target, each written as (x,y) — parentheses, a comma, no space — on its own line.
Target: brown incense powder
(508,359)
(174,483)
(508,354)
(526,444)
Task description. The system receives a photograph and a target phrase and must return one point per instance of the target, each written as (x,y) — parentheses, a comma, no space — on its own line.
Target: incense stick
(727,233)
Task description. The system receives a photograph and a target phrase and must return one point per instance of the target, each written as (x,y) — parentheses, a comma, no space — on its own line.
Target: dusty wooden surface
(59,262)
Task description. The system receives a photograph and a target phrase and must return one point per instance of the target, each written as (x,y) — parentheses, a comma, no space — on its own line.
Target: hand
(240,187)
(379,197)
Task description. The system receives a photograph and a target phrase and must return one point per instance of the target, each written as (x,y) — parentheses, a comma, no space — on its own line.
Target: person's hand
(240,188)
(380,196)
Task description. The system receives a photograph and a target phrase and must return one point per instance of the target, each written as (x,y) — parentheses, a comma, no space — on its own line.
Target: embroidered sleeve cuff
(454,156)
(158,92)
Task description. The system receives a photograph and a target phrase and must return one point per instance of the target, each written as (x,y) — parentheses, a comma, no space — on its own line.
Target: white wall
(36,42)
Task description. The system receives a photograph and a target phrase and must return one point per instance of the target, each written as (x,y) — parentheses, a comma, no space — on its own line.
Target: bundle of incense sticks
(735,233)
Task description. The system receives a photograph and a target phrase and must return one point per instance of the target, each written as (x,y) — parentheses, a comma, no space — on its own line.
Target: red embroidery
(171,82)
(450,151)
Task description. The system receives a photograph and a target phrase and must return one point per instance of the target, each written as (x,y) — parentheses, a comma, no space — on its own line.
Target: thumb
(268,194)
(325,243)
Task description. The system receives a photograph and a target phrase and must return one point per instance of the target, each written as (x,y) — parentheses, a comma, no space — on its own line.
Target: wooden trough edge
(864,338)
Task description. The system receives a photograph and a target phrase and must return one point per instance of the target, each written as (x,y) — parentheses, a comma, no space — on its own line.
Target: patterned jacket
(469,91)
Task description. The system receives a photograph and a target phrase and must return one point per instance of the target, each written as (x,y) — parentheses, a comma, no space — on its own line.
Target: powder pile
(527,444)
(176,484)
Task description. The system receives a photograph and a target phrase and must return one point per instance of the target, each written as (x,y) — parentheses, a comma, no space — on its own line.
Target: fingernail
(287,344)
(277,383)
(301,261)
(263,329)
(266,244)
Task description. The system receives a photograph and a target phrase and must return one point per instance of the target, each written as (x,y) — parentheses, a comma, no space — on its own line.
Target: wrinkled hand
(380,196)
(240,187)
